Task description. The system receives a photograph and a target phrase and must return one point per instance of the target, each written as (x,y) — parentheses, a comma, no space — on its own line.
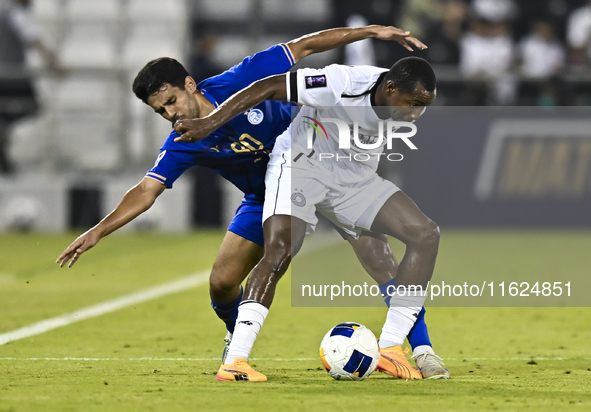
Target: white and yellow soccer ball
(349,351)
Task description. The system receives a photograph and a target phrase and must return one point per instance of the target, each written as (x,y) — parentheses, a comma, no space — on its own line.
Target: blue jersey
(239,150)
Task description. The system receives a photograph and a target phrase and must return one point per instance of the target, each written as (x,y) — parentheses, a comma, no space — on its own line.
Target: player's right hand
(402,37)
(84,242)
(192,130)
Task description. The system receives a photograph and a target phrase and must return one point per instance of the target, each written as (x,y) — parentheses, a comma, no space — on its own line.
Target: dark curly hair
(155,74)
(407,72)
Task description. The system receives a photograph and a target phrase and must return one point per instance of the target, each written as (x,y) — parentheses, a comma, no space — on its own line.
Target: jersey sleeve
(169,166)
(277,59)
(318,87)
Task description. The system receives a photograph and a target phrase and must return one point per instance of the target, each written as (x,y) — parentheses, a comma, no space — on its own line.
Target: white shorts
(300,188)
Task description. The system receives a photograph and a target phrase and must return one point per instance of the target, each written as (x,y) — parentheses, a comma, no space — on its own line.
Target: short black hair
(407,72)
(155,74)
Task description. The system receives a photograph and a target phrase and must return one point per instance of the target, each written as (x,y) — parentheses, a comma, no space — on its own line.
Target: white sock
(402,314)
(399,322)
(251,316)
(422,349)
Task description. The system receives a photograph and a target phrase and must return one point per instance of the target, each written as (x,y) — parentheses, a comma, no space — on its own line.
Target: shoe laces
(428,357)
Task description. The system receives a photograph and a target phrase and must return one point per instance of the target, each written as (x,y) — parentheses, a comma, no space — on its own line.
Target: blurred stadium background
(92,139)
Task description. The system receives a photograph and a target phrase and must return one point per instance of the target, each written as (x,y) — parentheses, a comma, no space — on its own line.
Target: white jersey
(300,180)
(344,93)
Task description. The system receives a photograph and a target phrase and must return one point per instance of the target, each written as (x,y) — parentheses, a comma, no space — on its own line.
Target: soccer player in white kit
(349,193)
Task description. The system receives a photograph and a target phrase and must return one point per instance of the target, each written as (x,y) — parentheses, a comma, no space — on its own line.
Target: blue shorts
(248,220)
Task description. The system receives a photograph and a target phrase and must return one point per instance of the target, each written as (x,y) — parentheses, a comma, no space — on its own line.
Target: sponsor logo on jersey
(255,116)
(315,81)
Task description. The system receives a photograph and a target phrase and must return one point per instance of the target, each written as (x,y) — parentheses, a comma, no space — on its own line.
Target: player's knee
(430,234)
(425,235)
(220,282)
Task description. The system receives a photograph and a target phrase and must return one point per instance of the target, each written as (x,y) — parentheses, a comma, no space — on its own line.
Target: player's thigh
(401,217)
(234,261)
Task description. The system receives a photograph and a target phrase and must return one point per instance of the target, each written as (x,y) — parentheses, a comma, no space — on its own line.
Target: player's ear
(190,84)
(390,87)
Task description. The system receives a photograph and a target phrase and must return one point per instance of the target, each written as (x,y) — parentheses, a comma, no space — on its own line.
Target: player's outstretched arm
(271,88)
(333,38)
(136,201)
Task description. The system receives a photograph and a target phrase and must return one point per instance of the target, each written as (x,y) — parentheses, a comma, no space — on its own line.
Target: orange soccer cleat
(393,362)
(240,370)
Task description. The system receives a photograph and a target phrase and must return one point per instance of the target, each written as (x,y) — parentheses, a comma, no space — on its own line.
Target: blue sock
(418,335)
(386,289)
(228,312)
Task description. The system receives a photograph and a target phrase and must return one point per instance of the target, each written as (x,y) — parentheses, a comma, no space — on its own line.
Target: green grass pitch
(162,355)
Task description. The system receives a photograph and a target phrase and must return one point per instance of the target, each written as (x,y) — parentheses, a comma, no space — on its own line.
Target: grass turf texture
(163,354)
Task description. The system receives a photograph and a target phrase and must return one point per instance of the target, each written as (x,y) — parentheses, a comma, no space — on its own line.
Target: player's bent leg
(234,261)
(375,255)
(283,238)
(377,258)
(401,218)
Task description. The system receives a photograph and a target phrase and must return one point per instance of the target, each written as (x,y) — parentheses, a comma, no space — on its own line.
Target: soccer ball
(349,351)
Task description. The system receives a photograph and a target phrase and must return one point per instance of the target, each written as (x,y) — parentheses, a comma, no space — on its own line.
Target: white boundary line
(179,285)
(182,284)
(267,359)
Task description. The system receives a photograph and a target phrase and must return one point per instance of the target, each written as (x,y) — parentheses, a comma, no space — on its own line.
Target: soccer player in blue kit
(238,151)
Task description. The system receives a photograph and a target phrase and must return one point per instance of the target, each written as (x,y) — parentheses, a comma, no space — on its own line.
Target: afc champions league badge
(255,116)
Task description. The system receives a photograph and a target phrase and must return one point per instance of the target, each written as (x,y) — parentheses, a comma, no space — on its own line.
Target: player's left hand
(83,243)
(401,36)
(192,130)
